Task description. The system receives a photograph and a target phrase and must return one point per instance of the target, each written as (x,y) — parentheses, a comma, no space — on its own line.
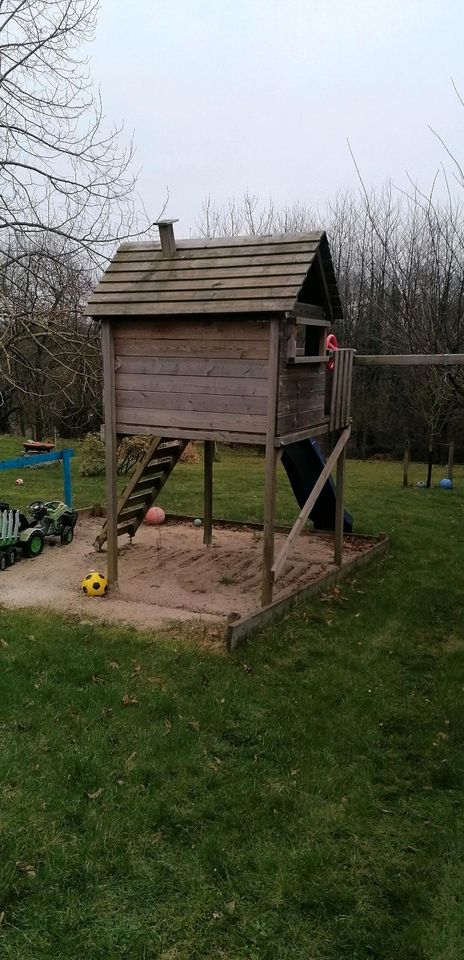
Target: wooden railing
(340,404)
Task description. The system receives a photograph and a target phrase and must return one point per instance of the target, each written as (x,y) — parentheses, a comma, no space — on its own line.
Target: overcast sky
(229,95)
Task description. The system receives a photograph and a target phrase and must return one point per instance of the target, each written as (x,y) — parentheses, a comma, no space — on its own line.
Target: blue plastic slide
(303,462)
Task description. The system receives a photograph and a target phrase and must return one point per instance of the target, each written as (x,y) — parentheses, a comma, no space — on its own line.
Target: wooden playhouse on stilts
(225,340)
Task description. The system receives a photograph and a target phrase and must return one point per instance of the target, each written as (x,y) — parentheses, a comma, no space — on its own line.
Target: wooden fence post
(451,460)
(406,462)
(430,461)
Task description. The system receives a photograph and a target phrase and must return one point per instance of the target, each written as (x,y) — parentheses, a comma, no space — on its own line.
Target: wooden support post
(339,507)
(109,407)
(208,493)
(430,461)
(406,461)
(270,471)
(451,460)
(270,484)
(306,510)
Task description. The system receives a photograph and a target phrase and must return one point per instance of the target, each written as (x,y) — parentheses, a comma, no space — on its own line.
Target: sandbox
(168,575)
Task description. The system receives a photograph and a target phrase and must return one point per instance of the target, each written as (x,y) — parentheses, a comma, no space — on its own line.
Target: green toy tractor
(54,518)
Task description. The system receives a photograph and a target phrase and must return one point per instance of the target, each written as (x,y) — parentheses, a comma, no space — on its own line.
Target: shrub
(92,456)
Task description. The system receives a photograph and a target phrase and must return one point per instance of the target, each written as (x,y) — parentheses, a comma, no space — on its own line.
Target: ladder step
(169,449)
(147,479)
(140,498)
(160,462)
(125,528)
(128,512)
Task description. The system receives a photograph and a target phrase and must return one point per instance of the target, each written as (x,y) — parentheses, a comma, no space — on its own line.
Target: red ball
(155,516)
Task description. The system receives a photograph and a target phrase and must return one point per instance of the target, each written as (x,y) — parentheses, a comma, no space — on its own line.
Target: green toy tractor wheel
(67,535)
(34,545)
(3,561)
(11,557)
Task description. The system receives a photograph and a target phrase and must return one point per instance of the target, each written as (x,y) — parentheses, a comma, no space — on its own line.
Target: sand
(167,574)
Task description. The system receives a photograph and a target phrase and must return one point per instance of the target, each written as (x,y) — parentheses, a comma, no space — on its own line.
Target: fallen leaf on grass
(96,679)
(136,670)
(194,724)
(230,906)
(96,794)
(247,668)
(129,701)
(113,665)
(168,724)
(216,915)
(156,837)
(129,763)
(3,643)
(2,917)
(26,868)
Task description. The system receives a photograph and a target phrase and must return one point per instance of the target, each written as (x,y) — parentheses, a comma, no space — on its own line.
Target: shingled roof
(242,275)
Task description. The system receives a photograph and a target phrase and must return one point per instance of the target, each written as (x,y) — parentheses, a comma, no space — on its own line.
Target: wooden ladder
(149,477)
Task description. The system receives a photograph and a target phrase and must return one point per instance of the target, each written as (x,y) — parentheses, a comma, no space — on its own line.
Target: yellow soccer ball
(95,584)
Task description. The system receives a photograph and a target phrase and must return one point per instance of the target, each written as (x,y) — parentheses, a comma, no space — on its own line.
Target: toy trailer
(9,531)
(221,340)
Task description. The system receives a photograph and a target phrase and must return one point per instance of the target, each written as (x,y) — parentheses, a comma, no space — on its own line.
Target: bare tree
(61,170)
(49,352)
(399,259)
(66,197)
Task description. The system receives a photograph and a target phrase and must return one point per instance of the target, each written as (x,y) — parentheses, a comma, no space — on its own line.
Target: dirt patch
(167,574)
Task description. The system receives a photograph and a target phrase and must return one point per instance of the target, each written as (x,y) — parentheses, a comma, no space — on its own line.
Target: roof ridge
(192,243)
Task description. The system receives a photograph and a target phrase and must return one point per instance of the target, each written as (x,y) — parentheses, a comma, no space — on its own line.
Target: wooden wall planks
(301,396)
(192,375)
(194,347)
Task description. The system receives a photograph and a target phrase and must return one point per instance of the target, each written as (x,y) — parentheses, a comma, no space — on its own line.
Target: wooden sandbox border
(241,628)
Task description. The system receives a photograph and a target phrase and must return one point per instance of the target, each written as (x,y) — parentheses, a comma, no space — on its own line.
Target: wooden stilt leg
(270,481)
(339,507)
(109,406)
(270,470)
(208,493)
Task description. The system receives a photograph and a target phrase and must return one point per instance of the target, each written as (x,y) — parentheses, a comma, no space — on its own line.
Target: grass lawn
(300,799)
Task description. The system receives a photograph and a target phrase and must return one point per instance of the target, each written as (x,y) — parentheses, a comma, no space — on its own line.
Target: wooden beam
(339,507)
(319,429)
(109,408)
(227,436)
(237,631)
(302,361)
(208,493)
(270,474)
(306,510)
(409,359)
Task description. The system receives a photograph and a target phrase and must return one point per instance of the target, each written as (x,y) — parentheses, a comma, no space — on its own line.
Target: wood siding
(301,396)
(192,378)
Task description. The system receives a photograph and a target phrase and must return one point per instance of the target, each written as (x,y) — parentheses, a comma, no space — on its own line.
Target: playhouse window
(307,341)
